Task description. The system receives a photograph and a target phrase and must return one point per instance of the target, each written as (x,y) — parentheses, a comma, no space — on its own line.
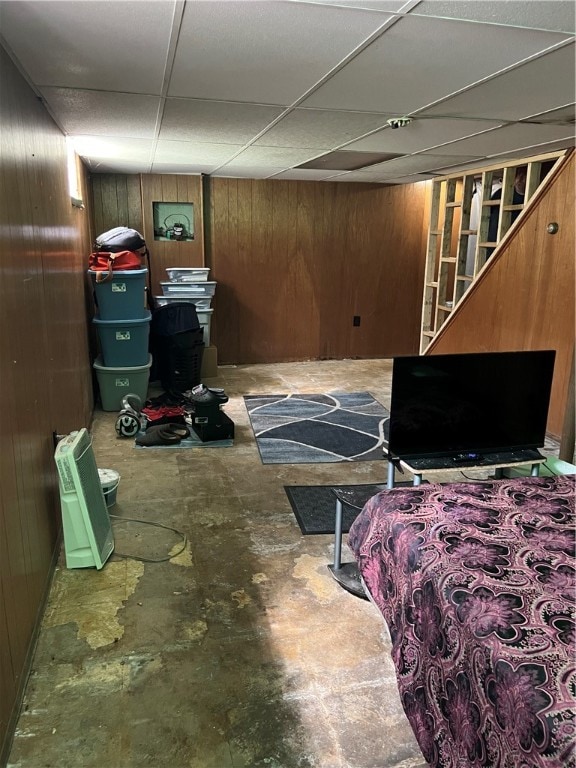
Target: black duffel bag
(119,239)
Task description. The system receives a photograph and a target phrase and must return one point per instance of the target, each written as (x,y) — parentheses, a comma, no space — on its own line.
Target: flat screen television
(469,404)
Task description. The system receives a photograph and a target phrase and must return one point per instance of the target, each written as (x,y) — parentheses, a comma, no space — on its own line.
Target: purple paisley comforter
(476,582)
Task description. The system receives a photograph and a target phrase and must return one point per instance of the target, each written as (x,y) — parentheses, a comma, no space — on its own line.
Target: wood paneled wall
(116,202)
(525,299)
(295,262)
(169,188)
(45,377)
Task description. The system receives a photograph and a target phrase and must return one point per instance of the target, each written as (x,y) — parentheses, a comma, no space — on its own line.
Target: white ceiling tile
(246,172)
(190,153)
(305,174)
(101,113)
(356,176)
(421,134)
(103,68)
(320,129)
(113,148)
(537,14)
(279,157)
(220,122)
(183,169)
(386,6)
(117,46)
(562,115)
(509,138)
(536,149)
(404,166)
(262,51)
(539,85)
(420,60)
(477,166)
(119,166)
(412,179)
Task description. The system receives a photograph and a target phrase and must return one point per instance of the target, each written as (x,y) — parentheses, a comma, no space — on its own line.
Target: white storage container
(204,317)
(200,290)
(187,274)
(201,303)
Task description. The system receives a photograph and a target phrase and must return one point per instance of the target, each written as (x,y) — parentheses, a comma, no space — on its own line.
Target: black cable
(475,479)
(157,525)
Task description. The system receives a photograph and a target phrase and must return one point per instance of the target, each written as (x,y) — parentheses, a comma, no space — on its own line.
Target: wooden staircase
(463,213)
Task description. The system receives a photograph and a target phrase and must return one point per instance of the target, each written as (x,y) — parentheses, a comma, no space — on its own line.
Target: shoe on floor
(206,395)
(163,434)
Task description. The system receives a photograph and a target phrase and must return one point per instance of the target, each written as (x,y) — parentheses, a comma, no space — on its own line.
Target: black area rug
(309,429)
(314,506)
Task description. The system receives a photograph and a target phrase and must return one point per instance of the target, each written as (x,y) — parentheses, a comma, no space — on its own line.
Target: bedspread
(476,582)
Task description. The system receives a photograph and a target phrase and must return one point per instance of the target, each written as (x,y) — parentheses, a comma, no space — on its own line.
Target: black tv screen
(475,403)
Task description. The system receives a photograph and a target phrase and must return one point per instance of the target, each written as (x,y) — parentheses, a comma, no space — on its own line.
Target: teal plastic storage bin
(124,342)
(123,297)
(116,382)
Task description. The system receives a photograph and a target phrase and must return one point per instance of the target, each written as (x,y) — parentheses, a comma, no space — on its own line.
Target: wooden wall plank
(325,252)
(8,684)
(116,201)
(164,254)
(46,382)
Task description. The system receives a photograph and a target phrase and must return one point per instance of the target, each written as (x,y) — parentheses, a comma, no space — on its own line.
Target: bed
(476,582)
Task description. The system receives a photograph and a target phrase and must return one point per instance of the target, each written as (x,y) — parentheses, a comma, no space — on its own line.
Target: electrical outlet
(356,321)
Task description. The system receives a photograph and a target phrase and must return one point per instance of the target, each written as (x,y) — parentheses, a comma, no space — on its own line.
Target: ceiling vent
(347,161)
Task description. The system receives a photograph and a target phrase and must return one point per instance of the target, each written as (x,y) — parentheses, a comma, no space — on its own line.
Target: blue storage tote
(123,297)
(115,383)
(124,342)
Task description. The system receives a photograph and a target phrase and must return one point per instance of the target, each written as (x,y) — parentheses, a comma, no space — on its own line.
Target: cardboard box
(209,363)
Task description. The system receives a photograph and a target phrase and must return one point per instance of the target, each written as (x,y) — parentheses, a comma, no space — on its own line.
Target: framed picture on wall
(173,222)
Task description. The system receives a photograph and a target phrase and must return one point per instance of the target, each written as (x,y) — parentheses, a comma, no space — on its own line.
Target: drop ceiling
(256,89)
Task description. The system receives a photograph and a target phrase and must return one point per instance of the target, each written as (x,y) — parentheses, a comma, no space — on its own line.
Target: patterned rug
(310,429)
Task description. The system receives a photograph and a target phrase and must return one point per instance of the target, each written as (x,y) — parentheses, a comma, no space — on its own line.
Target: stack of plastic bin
(190,285)
(123,326)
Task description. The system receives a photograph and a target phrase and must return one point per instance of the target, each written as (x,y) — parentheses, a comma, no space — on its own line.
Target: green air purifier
(88,538)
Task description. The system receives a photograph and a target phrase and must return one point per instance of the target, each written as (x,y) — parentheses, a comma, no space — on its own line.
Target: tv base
(348,576)
(446,464)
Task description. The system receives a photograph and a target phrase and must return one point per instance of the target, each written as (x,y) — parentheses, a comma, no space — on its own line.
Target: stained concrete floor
(239,652)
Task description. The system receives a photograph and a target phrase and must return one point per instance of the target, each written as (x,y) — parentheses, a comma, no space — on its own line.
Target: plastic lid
(99,365)
(108,476)
(187,283)
(120,273)
(137,321)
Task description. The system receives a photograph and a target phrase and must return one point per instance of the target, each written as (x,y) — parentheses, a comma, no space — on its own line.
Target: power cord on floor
(476,479)
(157,525)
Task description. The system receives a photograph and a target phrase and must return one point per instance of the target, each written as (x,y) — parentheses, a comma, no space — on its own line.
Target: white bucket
(109,480)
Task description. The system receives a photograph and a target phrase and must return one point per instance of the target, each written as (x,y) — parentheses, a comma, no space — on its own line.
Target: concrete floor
(240,652)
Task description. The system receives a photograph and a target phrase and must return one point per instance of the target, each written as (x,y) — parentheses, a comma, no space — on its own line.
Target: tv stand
(417,467)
